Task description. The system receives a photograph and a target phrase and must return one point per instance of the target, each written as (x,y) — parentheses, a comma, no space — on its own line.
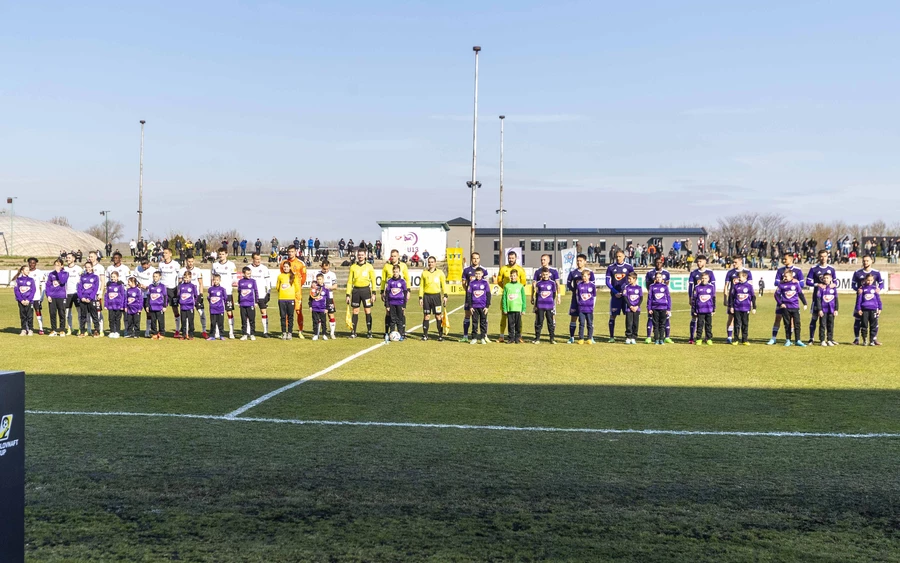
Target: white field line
(329,369)
(483,427)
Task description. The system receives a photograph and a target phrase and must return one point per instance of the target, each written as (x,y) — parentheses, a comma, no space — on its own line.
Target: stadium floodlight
(141,186)
(501,211)
(105,214)
(12,215)
(474,184)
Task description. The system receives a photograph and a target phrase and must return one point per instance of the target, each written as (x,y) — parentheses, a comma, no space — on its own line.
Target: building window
(496,259)
(496,244)
(562,244)
(522,244)
(602,246)
(535,245)
(548,245)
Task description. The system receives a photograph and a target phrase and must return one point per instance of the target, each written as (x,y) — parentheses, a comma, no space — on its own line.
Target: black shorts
(431,304)
(71,300)
(361,297)
(172,293)
(229,303)
(37,305)
(331,309)
(198,304)
(263,302)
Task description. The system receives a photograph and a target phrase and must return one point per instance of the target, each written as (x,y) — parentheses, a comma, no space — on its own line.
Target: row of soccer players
(738,298)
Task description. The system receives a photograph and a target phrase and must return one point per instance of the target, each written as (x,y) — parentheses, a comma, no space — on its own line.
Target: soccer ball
(395,336)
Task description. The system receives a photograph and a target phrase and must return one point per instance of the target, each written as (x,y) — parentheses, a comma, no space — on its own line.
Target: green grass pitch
(120,488)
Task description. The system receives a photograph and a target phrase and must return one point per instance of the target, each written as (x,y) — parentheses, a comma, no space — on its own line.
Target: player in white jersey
(74,271)
(40,281)
(117,267)
(330,282)
(261,274)
(227,271)
(144,276)
(168,272)
(100,272)
(196,281)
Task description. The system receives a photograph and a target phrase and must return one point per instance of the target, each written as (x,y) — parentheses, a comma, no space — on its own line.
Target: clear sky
(319,118)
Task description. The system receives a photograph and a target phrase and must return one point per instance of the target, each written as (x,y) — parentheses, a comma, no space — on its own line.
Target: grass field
(422,477)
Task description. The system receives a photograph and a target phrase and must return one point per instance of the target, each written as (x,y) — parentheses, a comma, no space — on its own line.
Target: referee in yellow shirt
(503,278)
(433,297)
(387,273)
(360,288)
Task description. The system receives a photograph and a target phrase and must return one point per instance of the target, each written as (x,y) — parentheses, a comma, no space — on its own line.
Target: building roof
(459,222)
(22,236)
(414,224)
(541,232)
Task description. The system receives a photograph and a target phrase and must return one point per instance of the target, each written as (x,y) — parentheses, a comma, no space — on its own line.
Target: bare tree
(116,230)
(61,221)
(215,237)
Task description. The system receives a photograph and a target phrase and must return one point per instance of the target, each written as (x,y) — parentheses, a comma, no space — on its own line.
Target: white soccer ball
(394,336)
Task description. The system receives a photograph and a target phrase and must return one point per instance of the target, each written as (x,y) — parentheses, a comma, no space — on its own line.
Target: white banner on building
(415,240)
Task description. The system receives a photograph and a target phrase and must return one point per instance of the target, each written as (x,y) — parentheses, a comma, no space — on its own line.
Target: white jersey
(330,279)
(263,279)
(195,277)
(144,277)
(121,269)
(226,273)
(74,272)
(40,280)
(169,274)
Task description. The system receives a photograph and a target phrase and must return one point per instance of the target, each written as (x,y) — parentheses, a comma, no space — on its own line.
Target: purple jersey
(816,273)
(115,296)
(650,278)
(395,292)
(479,294)
(157,297)
(187,296)
(586,292)
(56,284)
(798,275)
(617,277)
(217,295)
(743,296)
(859,278)
(658,298)
(319,299)
(545,294)
(25,289)
(88,286)
(694,280)
(789,294)
(247,292)
(134,300)
(468,275)
(868,299)
(827,299)
(732,274)
(704,299)
(634,295)
(554,274)
(574,279)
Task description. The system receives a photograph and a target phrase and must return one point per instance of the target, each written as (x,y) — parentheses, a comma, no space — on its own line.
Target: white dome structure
(29,237)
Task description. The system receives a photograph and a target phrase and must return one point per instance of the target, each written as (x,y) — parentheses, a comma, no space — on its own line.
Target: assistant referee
(360,288)
(433,297)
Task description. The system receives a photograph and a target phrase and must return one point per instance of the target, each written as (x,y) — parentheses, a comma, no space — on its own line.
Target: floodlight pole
(141,187)
(12,215)
(501,211)
(474,184)
(106,221)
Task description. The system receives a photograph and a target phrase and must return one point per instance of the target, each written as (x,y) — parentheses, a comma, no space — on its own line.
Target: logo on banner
(5,427)
(411,238)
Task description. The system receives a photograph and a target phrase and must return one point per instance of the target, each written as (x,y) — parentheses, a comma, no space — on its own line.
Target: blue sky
(321,118)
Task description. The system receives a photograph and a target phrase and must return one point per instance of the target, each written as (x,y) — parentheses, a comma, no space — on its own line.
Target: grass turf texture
(111,488)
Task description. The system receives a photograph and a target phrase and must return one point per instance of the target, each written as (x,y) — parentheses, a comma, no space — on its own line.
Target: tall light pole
(474,184)
(141,186)
(12,214)
(501,211)
(105,214)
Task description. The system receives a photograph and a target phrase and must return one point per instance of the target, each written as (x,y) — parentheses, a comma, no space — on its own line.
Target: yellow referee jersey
(361,276)
(433,283)
(388,272)
(503,276)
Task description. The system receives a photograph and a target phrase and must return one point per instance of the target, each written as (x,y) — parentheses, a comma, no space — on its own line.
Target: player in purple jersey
(572,281)
(478,298)
(788,296)
(693,280)
(616,278)
(743,302)
(868,307)
(859,278)
(634,296)
(468,276)
(248,294)
(544,297)
(787,262)
(815,280)
(825,307)
(703,307)
(659,306)
(730,278)
(649,280)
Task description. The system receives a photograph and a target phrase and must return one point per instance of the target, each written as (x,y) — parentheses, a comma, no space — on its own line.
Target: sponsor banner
(414,240)
(567,264)
(454,264)
(12,466)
